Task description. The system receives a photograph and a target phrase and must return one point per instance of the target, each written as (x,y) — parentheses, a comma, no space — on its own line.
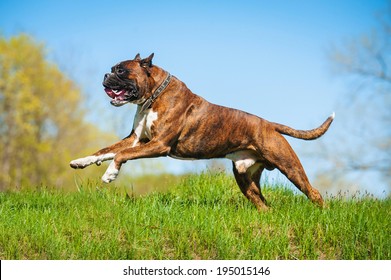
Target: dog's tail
(305,134)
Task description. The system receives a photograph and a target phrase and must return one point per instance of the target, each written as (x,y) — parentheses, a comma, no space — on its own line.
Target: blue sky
(265,57)
(244,54)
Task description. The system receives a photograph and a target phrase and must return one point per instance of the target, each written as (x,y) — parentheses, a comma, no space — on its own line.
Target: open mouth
(118,97)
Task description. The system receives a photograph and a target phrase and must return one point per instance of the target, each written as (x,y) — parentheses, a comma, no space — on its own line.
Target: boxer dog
(172,121)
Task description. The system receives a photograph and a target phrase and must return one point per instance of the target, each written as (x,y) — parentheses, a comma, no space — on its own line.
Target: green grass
(201,217)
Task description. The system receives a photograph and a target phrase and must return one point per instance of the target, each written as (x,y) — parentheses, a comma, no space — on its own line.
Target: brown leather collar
(148,103)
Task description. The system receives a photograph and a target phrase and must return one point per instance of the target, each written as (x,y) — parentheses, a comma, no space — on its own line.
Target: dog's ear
(137,57)
(147,62)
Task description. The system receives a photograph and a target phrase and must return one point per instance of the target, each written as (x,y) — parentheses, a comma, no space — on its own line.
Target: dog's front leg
(104,154)
(89,160)
(149,150)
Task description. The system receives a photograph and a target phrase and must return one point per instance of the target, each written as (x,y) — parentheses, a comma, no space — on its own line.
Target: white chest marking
(151,117)
(243,160)
(138,126)
(142,124)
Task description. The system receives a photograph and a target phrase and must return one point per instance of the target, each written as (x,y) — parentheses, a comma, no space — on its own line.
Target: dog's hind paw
(110,174)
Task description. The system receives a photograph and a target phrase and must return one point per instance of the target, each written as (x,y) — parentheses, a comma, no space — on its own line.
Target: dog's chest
(142,125)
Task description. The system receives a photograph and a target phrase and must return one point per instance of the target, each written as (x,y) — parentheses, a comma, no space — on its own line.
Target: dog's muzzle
(120,91)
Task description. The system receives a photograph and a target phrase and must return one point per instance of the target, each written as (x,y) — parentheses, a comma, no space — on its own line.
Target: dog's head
(129,81)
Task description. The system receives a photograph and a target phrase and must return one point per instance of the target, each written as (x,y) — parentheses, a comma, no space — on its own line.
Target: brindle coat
(181,124)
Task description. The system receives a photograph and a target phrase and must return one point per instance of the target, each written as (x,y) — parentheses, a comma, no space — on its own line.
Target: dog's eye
(120,71)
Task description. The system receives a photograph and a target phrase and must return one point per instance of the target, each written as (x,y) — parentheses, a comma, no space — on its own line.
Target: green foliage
(201,217)
(41,123)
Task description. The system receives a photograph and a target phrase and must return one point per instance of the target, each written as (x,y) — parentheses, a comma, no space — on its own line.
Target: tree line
(42,123)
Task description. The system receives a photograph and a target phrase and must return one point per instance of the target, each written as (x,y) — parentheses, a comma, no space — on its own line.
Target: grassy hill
(200,217)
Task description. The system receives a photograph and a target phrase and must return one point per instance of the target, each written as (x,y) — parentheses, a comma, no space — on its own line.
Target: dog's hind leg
(286,160)
(249,185)
(256,178)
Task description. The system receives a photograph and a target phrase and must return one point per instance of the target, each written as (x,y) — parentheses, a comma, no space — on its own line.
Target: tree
(41,120)
(366,112)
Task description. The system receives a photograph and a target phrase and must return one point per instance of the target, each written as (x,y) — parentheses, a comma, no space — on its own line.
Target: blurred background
(292,62)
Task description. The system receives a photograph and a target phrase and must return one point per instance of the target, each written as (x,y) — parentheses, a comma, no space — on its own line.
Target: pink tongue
(109,92)
(114,94)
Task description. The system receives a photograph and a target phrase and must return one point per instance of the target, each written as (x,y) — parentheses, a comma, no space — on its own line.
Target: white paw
(83,162)
(111,173)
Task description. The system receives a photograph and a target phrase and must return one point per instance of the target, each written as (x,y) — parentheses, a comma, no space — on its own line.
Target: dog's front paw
(82,162)
(77,164)
(110,174)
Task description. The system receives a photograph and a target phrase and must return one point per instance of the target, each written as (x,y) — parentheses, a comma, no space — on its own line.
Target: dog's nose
(106,76)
